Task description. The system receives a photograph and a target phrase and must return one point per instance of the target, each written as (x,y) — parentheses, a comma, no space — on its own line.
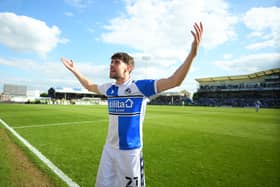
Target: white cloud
(262,18)
(47,74)
(22,33)
(162,28)
(78,3)
(251,63)
(261,45)
(265,25)
(69,14)
(227,56)
(50,69)
(160,32)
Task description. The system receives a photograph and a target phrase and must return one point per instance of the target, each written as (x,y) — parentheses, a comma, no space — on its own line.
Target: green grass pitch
(183,146)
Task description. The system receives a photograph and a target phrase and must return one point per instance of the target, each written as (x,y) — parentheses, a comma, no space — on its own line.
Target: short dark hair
(126,58)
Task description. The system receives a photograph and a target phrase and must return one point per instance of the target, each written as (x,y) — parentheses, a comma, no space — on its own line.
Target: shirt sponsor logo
(119,105)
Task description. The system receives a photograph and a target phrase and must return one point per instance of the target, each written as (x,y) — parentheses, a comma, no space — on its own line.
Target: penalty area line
(44,159)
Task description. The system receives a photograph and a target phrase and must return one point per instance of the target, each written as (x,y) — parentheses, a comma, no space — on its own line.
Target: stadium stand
(61,95)
(13,93)
(69,93)
(240,90)
(14,90)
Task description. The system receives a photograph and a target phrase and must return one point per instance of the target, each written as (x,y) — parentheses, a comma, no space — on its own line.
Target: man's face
(118,69)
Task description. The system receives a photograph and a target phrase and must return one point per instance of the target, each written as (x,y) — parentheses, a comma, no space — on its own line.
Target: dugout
(240,90)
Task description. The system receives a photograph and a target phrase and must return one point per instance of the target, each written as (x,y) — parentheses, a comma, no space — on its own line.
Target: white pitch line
(36,152)
(54,124)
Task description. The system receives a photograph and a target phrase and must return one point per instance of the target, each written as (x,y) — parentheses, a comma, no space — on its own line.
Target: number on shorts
(131,182)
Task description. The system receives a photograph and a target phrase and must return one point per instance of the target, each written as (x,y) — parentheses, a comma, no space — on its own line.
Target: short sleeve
(102,89)
(147,87)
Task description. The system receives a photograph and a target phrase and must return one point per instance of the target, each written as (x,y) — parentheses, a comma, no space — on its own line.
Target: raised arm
(69,64)
(179,75)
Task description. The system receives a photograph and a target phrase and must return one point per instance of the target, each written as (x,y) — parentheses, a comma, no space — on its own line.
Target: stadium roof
(239,77)
(72,90)
(171,94)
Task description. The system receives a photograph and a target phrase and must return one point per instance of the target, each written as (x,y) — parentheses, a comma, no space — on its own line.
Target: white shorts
(120,168)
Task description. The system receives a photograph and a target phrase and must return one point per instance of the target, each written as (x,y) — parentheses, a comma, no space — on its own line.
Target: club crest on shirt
(127,91)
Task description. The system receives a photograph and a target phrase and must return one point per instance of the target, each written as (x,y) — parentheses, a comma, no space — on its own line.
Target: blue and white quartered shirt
(126,106)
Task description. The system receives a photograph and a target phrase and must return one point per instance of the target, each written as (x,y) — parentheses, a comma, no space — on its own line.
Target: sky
(240,37)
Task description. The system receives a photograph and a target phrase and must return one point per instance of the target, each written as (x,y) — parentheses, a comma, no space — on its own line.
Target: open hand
(69,64)
(197,36)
